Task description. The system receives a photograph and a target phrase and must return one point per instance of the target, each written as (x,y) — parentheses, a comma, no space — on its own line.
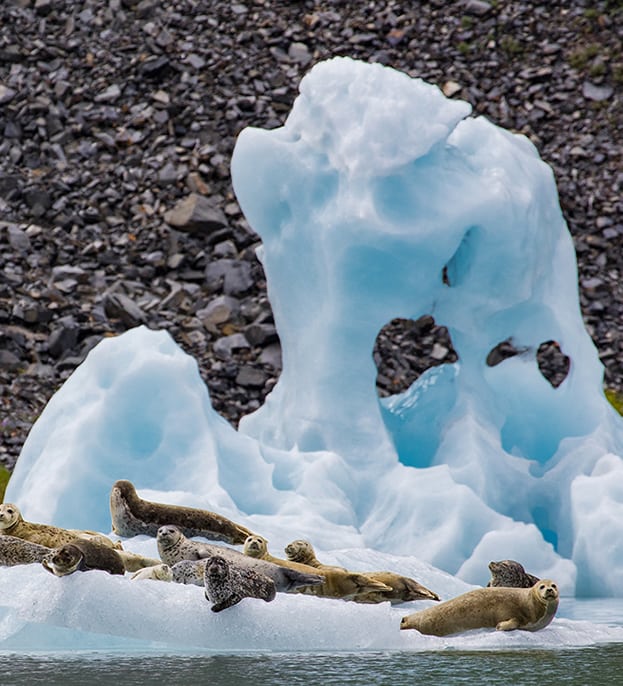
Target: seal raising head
(502,608)
(131,515)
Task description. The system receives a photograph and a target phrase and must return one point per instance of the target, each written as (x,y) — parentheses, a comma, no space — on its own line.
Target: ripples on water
(598,666)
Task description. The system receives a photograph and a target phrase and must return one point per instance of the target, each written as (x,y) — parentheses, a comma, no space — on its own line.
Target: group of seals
(502,608)
(401,589)
(337,582)
(513,599)
(175,548)
(12,523)
(132,516)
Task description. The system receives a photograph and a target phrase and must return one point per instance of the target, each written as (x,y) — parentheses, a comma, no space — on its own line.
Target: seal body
(132,516)
(501,608)
(226,585)
(82,556)
(337,582)
(17,551)
(158,572)
(510,573)
(174,547)
(402,588)
(13,524)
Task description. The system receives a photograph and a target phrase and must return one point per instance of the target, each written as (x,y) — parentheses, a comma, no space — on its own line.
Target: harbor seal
(132,516)
(174,547)
(226,585)
(337,583)
(159,572)
(13,524)
(506,609)
(17,551)
(82,556)
(510,573)
(403,588)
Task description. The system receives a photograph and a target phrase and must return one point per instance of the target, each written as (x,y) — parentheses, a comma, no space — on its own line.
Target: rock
(251,377)
(597,93)
(226,346)
(219,310)
(64,336)
(196,213)
(233,276)
(120,306)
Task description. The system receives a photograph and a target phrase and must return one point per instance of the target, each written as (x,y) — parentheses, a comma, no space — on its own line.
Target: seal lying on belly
(510,573)
(13,524)
(17,551)
(174,547)
(226,584)
(402,588)
(337,582)
(82,556)
(504,608)
(132,516)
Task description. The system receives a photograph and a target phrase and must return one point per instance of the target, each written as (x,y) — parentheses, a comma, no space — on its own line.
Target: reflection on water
(579,667)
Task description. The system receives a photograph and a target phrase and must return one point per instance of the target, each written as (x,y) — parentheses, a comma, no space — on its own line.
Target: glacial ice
(377,199)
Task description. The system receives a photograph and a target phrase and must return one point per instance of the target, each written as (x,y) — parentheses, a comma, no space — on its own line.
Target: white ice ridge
(377,199)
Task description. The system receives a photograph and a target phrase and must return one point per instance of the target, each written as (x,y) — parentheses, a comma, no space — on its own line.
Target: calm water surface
(595,666)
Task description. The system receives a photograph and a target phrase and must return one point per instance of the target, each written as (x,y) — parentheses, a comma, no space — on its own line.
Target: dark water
(594,666)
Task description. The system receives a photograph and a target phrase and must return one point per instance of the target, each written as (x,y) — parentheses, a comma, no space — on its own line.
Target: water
(602,666)
(128,662)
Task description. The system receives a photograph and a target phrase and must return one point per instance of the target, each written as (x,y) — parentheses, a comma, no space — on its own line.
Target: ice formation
(378,198)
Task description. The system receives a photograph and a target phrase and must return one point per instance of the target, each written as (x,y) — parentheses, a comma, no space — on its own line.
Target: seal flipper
(508,625)
(233,599)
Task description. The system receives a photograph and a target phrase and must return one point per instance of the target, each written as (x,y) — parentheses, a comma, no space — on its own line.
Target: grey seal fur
(226,585)
(17,551)
(510,573)
(132,516)
(174,547)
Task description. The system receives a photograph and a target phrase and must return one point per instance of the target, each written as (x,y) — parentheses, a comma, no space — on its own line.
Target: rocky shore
(117,123)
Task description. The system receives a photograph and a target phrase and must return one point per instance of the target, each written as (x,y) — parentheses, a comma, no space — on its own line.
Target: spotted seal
(506,609)
(225,584)
(510,573)
(17,551)
(82,556)
(403,588)
(13,524)
(337,583)
(174,547)
(132,516)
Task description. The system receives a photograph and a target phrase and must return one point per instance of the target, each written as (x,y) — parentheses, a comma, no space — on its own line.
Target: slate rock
(196,213)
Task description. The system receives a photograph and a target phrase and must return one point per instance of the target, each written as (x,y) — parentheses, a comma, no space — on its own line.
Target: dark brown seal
(132,516)
(82,556)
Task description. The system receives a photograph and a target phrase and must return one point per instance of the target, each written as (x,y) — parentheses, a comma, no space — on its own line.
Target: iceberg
(378,199)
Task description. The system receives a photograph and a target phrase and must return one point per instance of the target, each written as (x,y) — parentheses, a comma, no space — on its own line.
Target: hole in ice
(553,363)
(415,379)
(502,351)
(406,348)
